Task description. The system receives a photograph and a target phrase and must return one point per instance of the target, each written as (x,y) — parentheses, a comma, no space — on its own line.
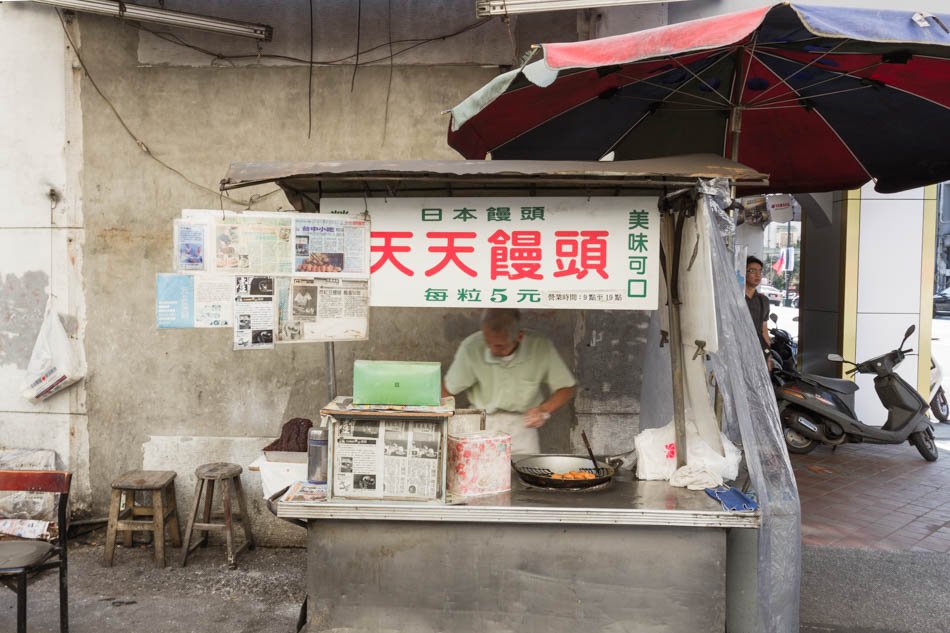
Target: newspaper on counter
(190,240)
(305,492)
(377,459)
(254,313)
(331,245)
(313,309)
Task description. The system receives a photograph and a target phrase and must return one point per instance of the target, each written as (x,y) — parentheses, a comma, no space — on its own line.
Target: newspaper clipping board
(388,459)
(316,269)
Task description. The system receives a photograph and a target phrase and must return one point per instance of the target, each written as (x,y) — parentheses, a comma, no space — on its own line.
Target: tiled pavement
(876,496)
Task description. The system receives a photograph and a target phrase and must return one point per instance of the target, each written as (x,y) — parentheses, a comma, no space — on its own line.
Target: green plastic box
(397,382)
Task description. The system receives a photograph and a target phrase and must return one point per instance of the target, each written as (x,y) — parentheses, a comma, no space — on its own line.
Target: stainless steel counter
(624,502)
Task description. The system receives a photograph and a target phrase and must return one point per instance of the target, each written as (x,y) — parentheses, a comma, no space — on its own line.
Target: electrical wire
(173,38)
(310,78)
(141,144)
(389,83)
(359,23)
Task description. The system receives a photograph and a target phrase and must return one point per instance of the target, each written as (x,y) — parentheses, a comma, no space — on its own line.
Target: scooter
(938,399)
(784,345)
(818,410)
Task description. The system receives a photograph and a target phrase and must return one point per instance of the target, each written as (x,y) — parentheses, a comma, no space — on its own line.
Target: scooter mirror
(835,358)
(907,334)
(773,318)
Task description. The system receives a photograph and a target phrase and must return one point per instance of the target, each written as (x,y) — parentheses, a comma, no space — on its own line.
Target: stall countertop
(624,502)
(342,406)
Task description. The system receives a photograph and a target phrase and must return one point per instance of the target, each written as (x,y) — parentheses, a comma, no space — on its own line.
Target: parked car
(773,294)
(942,302)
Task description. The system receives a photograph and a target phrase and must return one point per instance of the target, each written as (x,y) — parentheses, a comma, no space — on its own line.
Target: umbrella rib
(797,99)
(648,82)
(725,101)
(837,75)
(699,106)
(806,66)
(828,125)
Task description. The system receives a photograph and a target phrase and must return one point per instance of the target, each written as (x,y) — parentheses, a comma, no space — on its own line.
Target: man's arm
(536,417)
(765,334)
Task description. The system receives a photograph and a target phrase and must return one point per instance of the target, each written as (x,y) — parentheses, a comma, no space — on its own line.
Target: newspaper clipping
(313,309)
(253,244)
(190,245)
(214,300)
(254,313)
(330,245)
(378,459)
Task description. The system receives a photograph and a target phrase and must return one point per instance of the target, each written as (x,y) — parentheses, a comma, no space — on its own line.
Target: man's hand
(535,418)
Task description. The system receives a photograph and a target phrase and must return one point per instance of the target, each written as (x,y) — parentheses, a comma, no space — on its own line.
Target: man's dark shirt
(759,309)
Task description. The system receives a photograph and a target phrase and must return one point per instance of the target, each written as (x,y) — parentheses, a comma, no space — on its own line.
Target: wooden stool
(229,475)
(160,484)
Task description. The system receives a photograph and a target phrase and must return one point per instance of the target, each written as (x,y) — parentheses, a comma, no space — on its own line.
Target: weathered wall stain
(22,304)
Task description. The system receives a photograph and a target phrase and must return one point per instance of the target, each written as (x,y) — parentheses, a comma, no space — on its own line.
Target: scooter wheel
(924,442)
(798,443)
(940,407)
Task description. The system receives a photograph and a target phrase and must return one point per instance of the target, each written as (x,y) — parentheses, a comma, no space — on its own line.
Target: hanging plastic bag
(53,366)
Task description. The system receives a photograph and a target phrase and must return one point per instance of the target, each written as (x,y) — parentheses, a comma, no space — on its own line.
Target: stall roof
(306,182)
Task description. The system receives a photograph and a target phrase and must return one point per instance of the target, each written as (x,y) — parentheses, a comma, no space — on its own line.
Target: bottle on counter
(317,453)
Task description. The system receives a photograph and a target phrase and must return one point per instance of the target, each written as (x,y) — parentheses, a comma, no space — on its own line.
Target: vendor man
(502,368)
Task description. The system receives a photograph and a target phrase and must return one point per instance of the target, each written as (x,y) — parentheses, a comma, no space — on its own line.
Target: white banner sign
(600,253)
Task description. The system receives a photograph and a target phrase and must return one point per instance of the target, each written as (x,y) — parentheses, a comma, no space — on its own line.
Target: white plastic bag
(656,454)
(53,366)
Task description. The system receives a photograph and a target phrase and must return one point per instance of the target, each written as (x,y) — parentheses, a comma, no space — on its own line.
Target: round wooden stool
(160,484)
(229,475)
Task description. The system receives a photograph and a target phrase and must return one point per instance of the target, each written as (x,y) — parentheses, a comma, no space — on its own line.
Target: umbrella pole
(668,238)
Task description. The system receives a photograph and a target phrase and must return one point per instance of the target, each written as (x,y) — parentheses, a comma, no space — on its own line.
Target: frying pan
(537,471)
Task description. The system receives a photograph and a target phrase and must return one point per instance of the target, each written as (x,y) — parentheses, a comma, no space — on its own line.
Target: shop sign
(600,253)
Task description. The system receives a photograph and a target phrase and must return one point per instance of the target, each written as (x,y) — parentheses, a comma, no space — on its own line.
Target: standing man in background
(502,368)
(758,303)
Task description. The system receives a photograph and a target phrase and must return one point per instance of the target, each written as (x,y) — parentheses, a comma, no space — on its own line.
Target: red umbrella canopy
(820,98)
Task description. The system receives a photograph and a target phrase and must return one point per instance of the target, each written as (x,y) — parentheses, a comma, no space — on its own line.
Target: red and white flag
(779,264)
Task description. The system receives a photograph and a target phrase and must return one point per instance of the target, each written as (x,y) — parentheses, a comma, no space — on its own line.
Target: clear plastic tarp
(749,406)
(749,416)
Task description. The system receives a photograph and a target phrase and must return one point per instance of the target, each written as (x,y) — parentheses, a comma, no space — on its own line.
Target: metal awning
(306,182)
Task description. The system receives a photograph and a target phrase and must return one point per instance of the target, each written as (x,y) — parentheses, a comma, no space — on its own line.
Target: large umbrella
(820,98)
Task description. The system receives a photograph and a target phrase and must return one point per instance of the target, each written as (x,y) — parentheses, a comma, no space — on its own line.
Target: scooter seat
(839,385)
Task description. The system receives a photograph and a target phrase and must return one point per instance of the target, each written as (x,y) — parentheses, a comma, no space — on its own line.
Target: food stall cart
(628,556)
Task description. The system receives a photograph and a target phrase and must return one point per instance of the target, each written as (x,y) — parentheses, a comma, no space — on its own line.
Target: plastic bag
(656,454)
(53,366)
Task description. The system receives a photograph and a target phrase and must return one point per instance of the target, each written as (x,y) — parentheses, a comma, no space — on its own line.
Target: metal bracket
(700,349)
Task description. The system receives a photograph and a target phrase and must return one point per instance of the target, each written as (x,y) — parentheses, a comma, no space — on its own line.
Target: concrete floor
(262,595)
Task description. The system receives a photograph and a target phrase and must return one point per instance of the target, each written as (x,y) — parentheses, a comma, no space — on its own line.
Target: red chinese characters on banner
(519,249)
(388,250)
(451,250)
(513,255)
(580,252)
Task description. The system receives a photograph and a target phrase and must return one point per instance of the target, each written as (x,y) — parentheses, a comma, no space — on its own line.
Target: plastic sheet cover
(749,408)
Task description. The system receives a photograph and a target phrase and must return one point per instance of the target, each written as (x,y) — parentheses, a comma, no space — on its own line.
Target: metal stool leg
(21,603)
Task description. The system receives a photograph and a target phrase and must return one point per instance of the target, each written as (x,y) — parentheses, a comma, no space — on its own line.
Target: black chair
(22,558)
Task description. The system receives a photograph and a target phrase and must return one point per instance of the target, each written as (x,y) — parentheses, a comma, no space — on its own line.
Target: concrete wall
(41,230)
(153,131)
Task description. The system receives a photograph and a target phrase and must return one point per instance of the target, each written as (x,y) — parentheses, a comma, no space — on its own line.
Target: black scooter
(784,347)
(819,410)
